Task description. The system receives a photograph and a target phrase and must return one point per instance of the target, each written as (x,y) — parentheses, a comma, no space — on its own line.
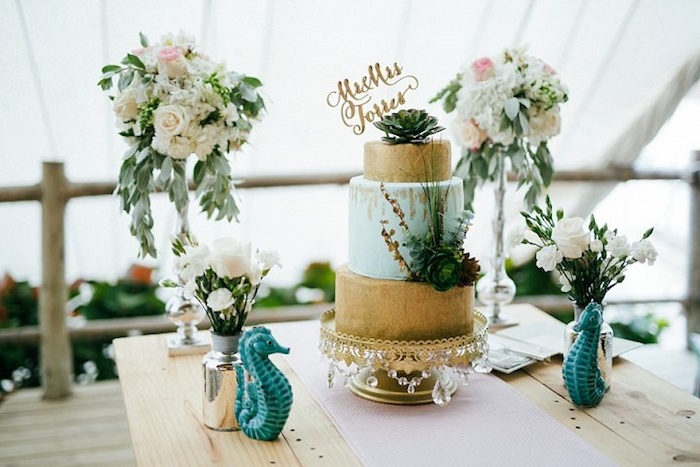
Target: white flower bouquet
(506,105)
(173,101)
(589,262)
(224,278)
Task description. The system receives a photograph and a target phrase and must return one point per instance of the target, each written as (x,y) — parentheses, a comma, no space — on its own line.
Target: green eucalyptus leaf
(132,59)
(143,39)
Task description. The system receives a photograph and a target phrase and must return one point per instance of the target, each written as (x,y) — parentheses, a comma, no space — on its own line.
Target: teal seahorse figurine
(582,376)
(262,403)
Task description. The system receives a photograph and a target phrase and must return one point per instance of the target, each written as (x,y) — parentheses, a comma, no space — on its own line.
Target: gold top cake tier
(428,162)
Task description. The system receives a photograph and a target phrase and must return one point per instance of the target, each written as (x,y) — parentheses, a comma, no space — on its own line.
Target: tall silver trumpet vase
(496,289)
(185,312)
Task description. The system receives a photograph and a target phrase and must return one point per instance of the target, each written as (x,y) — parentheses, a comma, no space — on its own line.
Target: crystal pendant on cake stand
(185,312)
(496,289)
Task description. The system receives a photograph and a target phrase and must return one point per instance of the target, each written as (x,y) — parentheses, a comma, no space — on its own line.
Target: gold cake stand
(404,372)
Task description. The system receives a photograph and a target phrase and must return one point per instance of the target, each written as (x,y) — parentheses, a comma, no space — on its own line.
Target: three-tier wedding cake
(375,294)
(404,309)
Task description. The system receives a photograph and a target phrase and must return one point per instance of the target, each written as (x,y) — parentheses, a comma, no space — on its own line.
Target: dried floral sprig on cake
(507,106)
(590,262)
(172,101)
(408,126)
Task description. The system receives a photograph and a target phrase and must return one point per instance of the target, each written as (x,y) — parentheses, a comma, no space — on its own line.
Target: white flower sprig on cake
(590,262)
(224,278)
(505,104)
(172,101)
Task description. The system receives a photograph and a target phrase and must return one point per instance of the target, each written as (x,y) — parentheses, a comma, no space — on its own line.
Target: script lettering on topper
(355,99)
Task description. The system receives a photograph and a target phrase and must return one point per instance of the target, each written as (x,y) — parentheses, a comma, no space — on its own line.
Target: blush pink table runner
(487,423)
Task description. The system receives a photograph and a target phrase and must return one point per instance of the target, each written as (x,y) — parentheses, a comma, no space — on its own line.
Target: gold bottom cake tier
(403,372)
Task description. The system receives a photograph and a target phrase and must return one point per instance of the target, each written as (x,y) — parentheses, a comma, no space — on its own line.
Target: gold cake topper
(356,103)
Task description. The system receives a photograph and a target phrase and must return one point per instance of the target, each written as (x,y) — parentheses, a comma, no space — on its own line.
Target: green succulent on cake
(408,126)
(437,256)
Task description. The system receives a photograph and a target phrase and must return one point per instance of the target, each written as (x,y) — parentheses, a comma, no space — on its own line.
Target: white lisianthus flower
(618,246)
(596,245)
(571,237)
(230,257)
(192,263)
(643,251)
(220,299)
(516,237)
(269,259)
(170,120)
(565,284)
(548,258)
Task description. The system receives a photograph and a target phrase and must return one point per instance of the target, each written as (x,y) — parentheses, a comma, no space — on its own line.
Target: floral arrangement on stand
(507,108)
(437,256)
(224,278)
(589,261)
(173,101)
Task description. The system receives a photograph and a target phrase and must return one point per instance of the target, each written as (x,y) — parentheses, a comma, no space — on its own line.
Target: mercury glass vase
(220,384)
(496,289)
(605,346)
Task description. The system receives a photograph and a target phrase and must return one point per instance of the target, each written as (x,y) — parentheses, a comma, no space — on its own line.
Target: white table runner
(487,423)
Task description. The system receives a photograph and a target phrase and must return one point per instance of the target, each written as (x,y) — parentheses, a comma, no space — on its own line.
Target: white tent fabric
(627,65)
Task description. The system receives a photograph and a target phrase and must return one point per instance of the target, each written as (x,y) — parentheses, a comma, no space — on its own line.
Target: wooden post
(694,250)
(55,351)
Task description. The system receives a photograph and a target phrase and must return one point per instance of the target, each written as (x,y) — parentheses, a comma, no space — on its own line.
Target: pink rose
(171,62)
(483,69)
(549,70)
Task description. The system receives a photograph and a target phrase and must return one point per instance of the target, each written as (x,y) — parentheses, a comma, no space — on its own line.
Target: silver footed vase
(185,312)
(495,289)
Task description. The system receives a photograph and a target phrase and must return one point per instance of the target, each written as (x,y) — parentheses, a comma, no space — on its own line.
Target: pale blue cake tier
(368,252)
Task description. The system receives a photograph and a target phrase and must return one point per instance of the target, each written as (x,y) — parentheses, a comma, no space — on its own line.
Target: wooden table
(642,421)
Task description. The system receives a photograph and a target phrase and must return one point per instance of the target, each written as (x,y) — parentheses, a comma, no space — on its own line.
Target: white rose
(644,251)
(544,125)
(192,263)
(618,246)
(469,134)
(231,258)
(220,299)
(125,106)
(170,120)
(548,258)
(571,237)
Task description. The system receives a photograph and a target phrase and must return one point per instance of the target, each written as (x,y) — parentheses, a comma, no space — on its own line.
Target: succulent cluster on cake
(437,255)
(408,126)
